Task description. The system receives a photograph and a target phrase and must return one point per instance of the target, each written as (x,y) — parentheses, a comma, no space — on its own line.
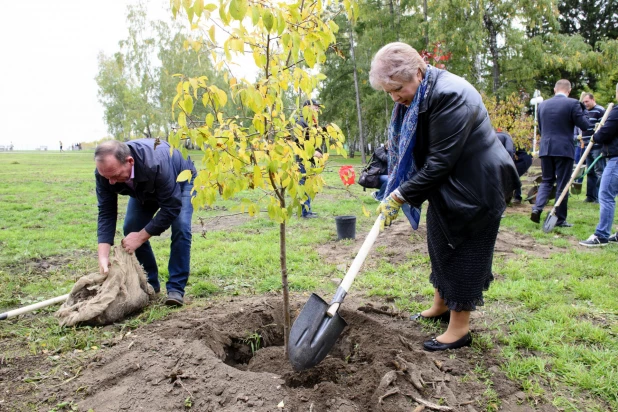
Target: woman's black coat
(464,171)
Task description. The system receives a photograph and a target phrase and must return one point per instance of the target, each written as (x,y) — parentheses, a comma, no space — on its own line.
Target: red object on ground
(347,175)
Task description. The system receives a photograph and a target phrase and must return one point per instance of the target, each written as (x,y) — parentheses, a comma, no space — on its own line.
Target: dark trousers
(554,170)
(594,176)
(523,163)
(139,215)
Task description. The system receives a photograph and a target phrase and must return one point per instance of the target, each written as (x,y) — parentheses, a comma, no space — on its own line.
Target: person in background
(607,137)
(593,178)
(315,105)
(61,145)
(146,170)
(381,156)
(521,159)
(558,117)
(443,149)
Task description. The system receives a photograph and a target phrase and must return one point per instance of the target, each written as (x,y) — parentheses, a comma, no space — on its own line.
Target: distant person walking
(61,145)
(558,117)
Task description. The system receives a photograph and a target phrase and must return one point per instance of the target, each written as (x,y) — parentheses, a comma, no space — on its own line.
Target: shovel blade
(313,334)
(550,222)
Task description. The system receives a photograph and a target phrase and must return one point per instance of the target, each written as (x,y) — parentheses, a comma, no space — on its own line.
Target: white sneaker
(613,238)
(375,196)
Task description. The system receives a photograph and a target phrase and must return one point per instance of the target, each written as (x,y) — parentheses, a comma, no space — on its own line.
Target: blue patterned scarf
(401,140)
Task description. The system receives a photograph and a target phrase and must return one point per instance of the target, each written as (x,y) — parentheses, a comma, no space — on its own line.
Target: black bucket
(346,227)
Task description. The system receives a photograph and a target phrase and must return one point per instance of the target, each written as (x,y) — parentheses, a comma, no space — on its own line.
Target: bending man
(147,173)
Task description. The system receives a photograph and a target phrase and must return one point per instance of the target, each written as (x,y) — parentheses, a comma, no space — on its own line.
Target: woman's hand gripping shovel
(552,219)
(318,325)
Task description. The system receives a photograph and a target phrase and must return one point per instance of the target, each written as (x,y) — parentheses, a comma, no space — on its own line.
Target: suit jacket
(558,117)
(154,185)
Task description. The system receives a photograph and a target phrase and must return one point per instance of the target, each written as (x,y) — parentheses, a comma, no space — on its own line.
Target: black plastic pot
(346,227)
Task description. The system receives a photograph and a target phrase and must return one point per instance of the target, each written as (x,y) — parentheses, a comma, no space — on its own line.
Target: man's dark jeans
(137,218)
(593,178)
(554,169)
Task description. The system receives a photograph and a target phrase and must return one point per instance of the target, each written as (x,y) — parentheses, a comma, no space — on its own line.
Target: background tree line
(505,48)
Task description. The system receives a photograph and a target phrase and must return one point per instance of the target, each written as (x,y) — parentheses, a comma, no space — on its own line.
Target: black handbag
(370,176)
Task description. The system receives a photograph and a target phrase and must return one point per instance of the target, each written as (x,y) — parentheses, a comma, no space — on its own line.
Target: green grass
(552,319)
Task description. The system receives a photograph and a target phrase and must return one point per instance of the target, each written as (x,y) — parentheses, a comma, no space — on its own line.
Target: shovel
(34,306)
(552,219)
(318,325)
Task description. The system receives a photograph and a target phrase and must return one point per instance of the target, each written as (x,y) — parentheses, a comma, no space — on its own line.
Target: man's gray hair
(394,64)
(118,149)
(563,85)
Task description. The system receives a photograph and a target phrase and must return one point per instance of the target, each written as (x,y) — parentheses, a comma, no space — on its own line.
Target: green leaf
(268,20)
(210,7)
(187,104)
(184,176)
(198,7)
(255,15)
(238,9)
(280,23)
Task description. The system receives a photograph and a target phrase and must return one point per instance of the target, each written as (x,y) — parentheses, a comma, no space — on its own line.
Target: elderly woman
(443,149)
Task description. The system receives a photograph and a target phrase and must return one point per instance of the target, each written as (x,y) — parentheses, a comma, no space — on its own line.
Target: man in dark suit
(558,117)
(595,114)
(146,170)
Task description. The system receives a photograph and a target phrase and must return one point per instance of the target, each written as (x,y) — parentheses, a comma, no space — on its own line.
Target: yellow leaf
(210,119)
(225,17)
(182,119)
(258,181)
(210,7)
(184,176)
(309,57)
(211,34)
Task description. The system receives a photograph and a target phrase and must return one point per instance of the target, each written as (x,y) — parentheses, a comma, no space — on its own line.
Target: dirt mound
(229,357)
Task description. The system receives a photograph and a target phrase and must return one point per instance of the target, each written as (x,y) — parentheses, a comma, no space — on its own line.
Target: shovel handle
(34,306)
(355,267)
(581,160)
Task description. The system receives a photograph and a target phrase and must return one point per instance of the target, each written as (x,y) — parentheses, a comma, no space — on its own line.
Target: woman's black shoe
(445,317)
(433,345)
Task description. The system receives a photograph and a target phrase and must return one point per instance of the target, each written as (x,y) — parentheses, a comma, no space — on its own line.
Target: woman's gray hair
(118,149)
(394,64)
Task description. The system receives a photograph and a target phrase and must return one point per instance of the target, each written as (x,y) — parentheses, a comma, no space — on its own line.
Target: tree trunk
(493,49)
(426,28)
(358,103)
(286,291)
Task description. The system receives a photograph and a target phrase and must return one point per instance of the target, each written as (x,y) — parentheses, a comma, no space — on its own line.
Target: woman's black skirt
(461,275)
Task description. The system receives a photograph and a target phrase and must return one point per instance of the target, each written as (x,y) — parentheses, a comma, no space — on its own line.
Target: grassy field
(554,318)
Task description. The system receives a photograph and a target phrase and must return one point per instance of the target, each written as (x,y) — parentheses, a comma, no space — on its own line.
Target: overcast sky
(49,61)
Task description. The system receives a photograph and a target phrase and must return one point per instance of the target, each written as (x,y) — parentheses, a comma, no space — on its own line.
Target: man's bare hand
(103,252)
(132,241)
